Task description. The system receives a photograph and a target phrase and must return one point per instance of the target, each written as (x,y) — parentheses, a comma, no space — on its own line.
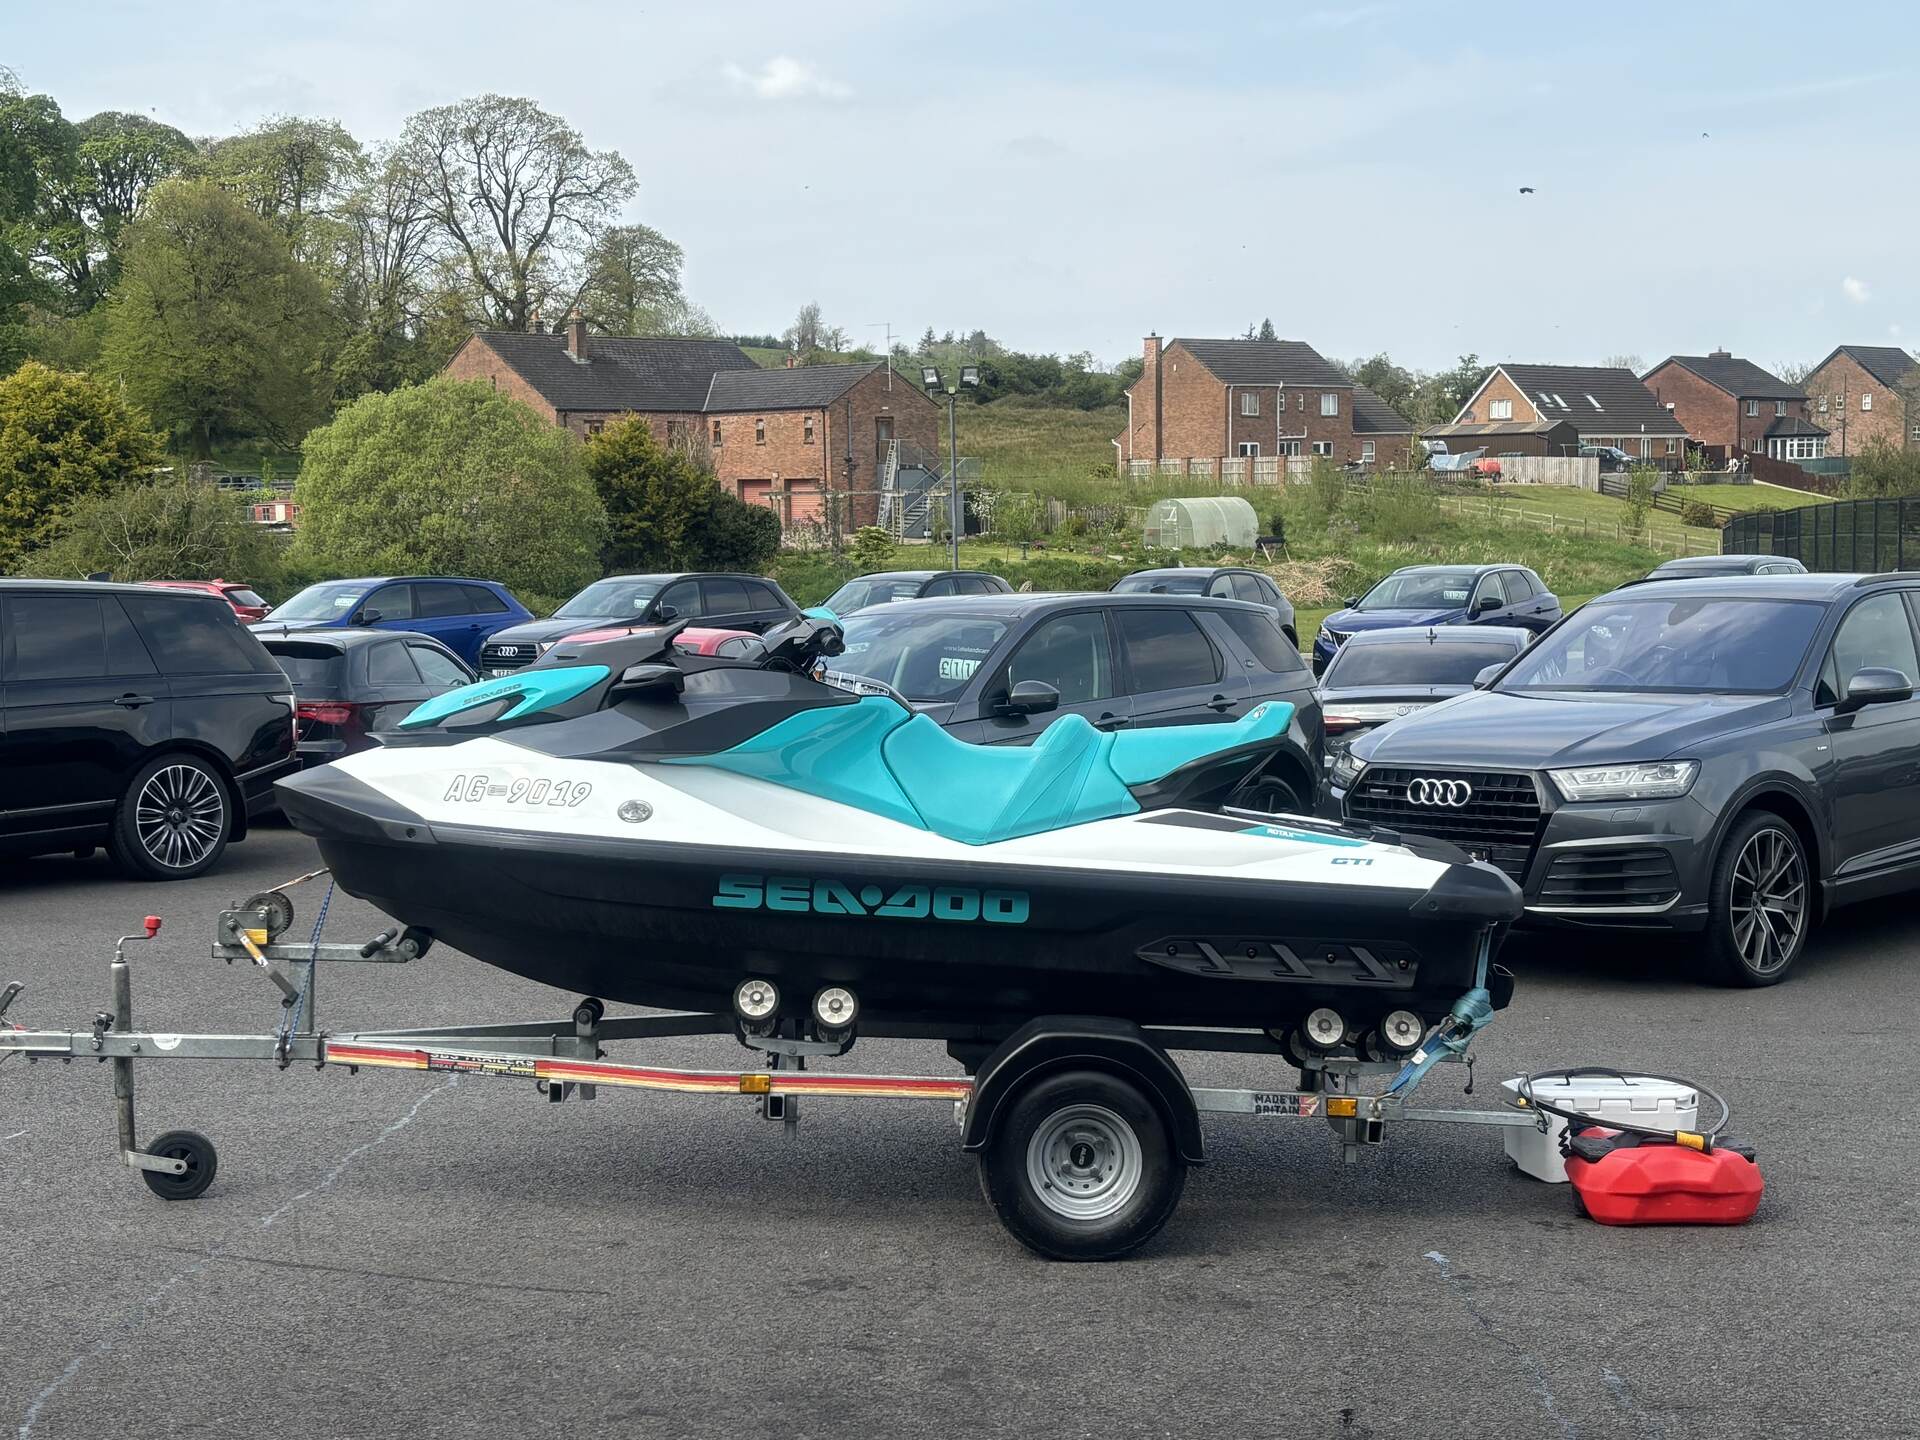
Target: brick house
(786,438)
(1864,393)
(1733,404)
(1248,400)
(1606,405)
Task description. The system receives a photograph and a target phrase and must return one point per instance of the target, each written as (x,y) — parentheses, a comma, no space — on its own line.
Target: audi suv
(1731,757)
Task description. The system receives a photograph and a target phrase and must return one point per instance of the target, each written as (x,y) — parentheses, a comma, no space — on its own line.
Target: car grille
(1643,876)
(1501,819)
(508,657)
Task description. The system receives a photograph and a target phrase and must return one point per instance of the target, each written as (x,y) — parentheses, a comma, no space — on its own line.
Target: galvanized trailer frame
(567,1058)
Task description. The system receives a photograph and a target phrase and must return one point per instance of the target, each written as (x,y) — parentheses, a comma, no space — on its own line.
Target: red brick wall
(1712,416)
(477,360)
(1193,408)
(1841,382)
(1478,410)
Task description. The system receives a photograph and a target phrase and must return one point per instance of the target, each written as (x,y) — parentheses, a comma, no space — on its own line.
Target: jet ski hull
(982,939)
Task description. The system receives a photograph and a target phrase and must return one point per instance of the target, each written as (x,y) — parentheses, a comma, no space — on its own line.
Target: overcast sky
(1071,176)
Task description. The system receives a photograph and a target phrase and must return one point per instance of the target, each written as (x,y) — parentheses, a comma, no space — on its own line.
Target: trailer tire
(1082,1166)
(202,1163)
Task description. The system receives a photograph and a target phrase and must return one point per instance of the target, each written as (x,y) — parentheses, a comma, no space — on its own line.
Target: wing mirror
(1031,697)
(1485,678)
(1874,686)
(367,617)
(1351,601)
(667,613)
(1486,603)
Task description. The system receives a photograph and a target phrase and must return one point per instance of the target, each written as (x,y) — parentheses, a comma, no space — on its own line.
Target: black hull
(679,927)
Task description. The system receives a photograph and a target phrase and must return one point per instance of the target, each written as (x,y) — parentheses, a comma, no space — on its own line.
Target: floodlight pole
(956,517)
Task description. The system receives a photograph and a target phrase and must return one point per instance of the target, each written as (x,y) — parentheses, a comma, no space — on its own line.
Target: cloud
(1894,330)
(1855,290)
(1343,17)
(784,78)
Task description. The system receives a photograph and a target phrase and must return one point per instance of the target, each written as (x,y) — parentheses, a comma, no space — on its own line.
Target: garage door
(803,503)
(755,492)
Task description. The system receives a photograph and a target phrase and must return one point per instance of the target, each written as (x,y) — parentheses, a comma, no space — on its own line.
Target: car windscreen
(333,600)
(245,597)
(1423,590)
(309,666)
(606,598)
(1413,662)
(923,656)
(1160,585)
(859,594)
(1701,646)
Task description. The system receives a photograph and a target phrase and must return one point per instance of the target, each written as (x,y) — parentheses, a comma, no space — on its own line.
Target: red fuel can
(1630,1180)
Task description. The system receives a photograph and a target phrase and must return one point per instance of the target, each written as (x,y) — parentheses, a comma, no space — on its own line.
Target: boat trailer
(1083,1125)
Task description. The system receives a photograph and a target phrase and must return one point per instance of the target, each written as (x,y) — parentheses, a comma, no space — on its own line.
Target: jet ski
(626,821)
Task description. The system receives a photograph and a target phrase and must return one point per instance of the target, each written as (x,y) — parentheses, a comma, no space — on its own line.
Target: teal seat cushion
(875,756)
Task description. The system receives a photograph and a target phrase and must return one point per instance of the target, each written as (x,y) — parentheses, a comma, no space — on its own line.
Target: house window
(759,432)
(1779,408)
(1249,402)
(1329,404)
(1499,409)
(1249,447)
(1288,447)
(1673,447)
(1753,407)
(1366,452)
(806,433)
(1323,447)
(1300,402)
(594,427)
(716,432)
(1866,400)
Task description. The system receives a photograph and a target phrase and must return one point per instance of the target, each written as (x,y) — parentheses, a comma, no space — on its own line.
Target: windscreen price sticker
(954,668)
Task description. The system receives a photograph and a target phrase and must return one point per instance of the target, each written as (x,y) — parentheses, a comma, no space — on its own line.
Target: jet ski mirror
(1485,677)
(659,681)
(1031,697)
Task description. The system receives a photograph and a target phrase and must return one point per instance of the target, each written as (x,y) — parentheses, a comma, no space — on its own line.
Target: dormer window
(1499,409)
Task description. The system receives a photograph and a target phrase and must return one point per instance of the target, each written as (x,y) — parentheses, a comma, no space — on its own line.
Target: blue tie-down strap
(1470,1015)
(532,691)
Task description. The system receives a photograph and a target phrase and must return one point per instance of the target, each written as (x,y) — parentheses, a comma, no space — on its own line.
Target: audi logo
(1450,793)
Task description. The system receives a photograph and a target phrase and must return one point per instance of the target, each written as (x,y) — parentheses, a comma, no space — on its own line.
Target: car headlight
(1345,769)
(1649,780)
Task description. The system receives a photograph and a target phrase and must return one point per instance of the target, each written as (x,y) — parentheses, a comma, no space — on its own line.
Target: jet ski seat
(876,756)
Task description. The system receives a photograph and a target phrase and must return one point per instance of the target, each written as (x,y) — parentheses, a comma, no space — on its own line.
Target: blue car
(1442,595)
(460,614)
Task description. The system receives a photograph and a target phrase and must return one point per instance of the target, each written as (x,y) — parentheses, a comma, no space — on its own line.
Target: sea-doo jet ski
(623,821)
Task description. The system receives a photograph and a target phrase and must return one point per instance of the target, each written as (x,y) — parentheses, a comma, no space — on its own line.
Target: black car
(1733,756)
(347,684)
(1613,460)
(1226,582)
(1694,567)
(715,602)
(146,720)
(1441,595)
(997,670)
(890,585)
(1382,675)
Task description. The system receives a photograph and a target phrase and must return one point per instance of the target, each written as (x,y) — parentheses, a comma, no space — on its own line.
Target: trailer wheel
(201,1160)
(1082,1167)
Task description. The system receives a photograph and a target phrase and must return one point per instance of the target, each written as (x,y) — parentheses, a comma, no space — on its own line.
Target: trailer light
(835,1008)
(1402,1030)
(1343,1107)
(755,999)
(1325,1028)
(756,1084)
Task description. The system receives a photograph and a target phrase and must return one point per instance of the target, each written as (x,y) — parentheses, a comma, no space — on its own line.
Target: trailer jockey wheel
(1082,1167)
(196,1151)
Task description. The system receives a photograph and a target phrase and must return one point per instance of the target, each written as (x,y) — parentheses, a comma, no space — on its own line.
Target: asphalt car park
(444,1256)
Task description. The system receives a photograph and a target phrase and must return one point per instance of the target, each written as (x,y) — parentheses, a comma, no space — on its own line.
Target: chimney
(792,359)
(1152,374)
(577,338)
(1720,355)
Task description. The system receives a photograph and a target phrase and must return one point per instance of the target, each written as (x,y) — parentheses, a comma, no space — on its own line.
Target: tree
(734,535)
(1879,470)
(1625,362)
(1266,331)
(290,171)
(215,329)
(168,528)
(63,438)
(117,159)
(1392,383)
(653,495)
(810,337)
(1795,372)
(385,272)
(36,151)
(449,478)
(632,286)
(519,198)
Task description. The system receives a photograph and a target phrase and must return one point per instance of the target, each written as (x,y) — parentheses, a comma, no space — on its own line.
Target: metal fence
(1870,536)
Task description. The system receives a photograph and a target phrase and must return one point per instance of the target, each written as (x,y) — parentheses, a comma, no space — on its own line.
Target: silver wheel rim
(1767,902)
(179,815)
(1084,1162)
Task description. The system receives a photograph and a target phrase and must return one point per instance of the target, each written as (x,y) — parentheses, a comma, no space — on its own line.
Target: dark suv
(1732,756)
(886,586)
(997,670)
(143,719)
(1227,582)
(712,602)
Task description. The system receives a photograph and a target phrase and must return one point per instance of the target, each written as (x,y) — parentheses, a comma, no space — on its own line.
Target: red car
(246,603)
(691,641)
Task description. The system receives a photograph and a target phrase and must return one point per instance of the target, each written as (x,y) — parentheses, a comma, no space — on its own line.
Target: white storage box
(1655,1104)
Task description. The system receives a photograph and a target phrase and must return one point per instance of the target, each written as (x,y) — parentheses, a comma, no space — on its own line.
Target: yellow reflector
(756,1084)
(1690,1140)
(258,937)
(1343,1107)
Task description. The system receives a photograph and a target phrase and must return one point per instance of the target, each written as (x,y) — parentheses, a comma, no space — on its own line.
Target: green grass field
(1750,497)
(1043,448)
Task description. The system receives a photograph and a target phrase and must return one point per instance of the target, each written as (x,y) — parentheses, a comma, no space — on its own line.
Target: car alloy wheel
(1767,900)
(180,816)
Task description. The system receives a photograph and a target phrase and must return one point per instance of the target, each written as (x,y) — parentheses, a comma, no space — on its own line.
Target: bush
(872,549)
(1639,499)
(1697,512)
(170,528)
(449,478)
(733,535)
(1326,489)
(63,439)
(1403,507)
